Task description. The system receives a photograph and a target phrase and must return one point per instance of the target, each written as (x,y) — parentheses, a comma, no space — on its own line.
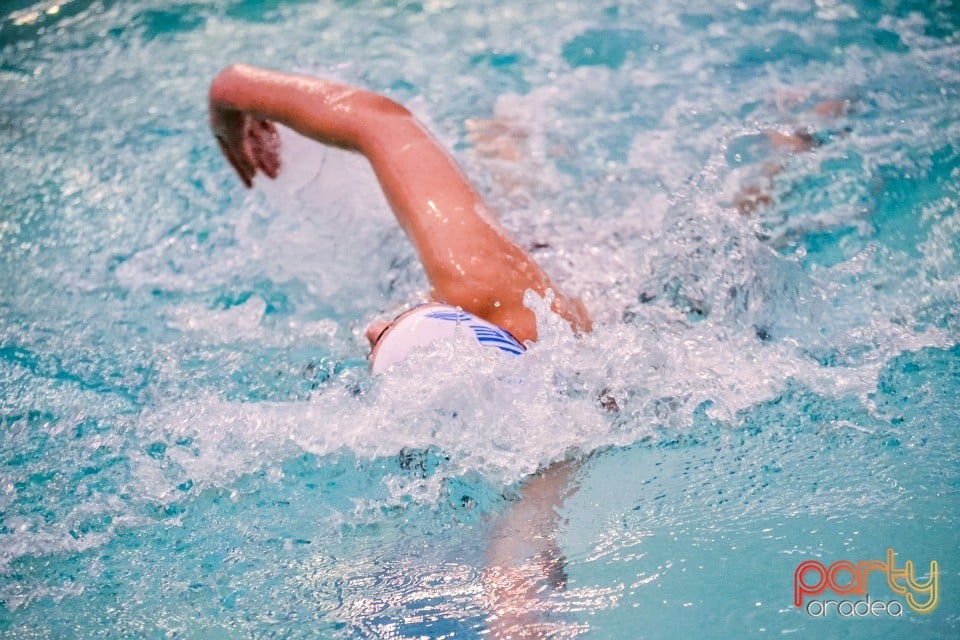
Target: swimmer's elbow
(385,107)
(383,124)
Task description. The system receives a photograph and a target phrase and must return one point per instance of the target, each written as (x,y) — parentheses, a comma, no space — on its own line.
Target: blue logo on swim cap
(487,334)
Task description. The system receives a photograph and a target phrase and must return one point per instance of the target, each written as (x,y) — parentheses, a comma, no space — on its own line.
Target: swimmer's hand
(250,144)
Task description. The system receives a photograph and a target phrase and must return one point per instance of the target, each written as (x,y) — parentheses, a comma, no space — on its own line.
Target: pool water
(191,445)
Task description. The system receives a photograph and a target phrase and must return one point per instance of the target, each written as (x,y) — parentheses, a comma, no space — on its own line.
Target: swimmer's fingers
(257,148)
(239,163)
(229,127)
(263,146)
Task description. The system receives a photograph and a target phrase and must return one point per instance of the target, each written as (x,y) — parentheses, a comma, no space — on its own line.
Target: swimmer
(477,273)
(472,264)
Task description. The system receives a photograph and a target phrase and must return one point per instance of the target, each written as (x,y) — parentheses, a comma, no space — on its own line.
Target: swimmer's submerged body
(469,259)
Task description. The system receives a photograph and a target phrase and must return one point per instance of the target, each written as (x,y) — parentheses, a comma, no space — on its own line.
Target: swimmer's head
(391,342)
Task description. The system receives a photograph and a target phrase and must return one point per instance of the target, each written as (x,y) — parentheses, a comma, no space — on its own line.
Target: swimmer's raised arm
(467,256)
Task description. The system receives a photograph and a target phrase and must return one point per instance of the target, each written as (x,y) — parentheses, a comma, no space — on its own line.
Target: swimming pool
(190,443)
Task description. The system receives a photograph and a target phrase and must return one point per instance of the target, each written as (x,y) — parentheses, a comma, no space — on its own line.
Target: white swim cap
(430,322)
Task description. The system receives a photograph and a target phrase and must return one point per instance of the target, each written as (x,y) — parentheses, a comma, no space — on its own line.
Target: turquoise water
(190,444)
